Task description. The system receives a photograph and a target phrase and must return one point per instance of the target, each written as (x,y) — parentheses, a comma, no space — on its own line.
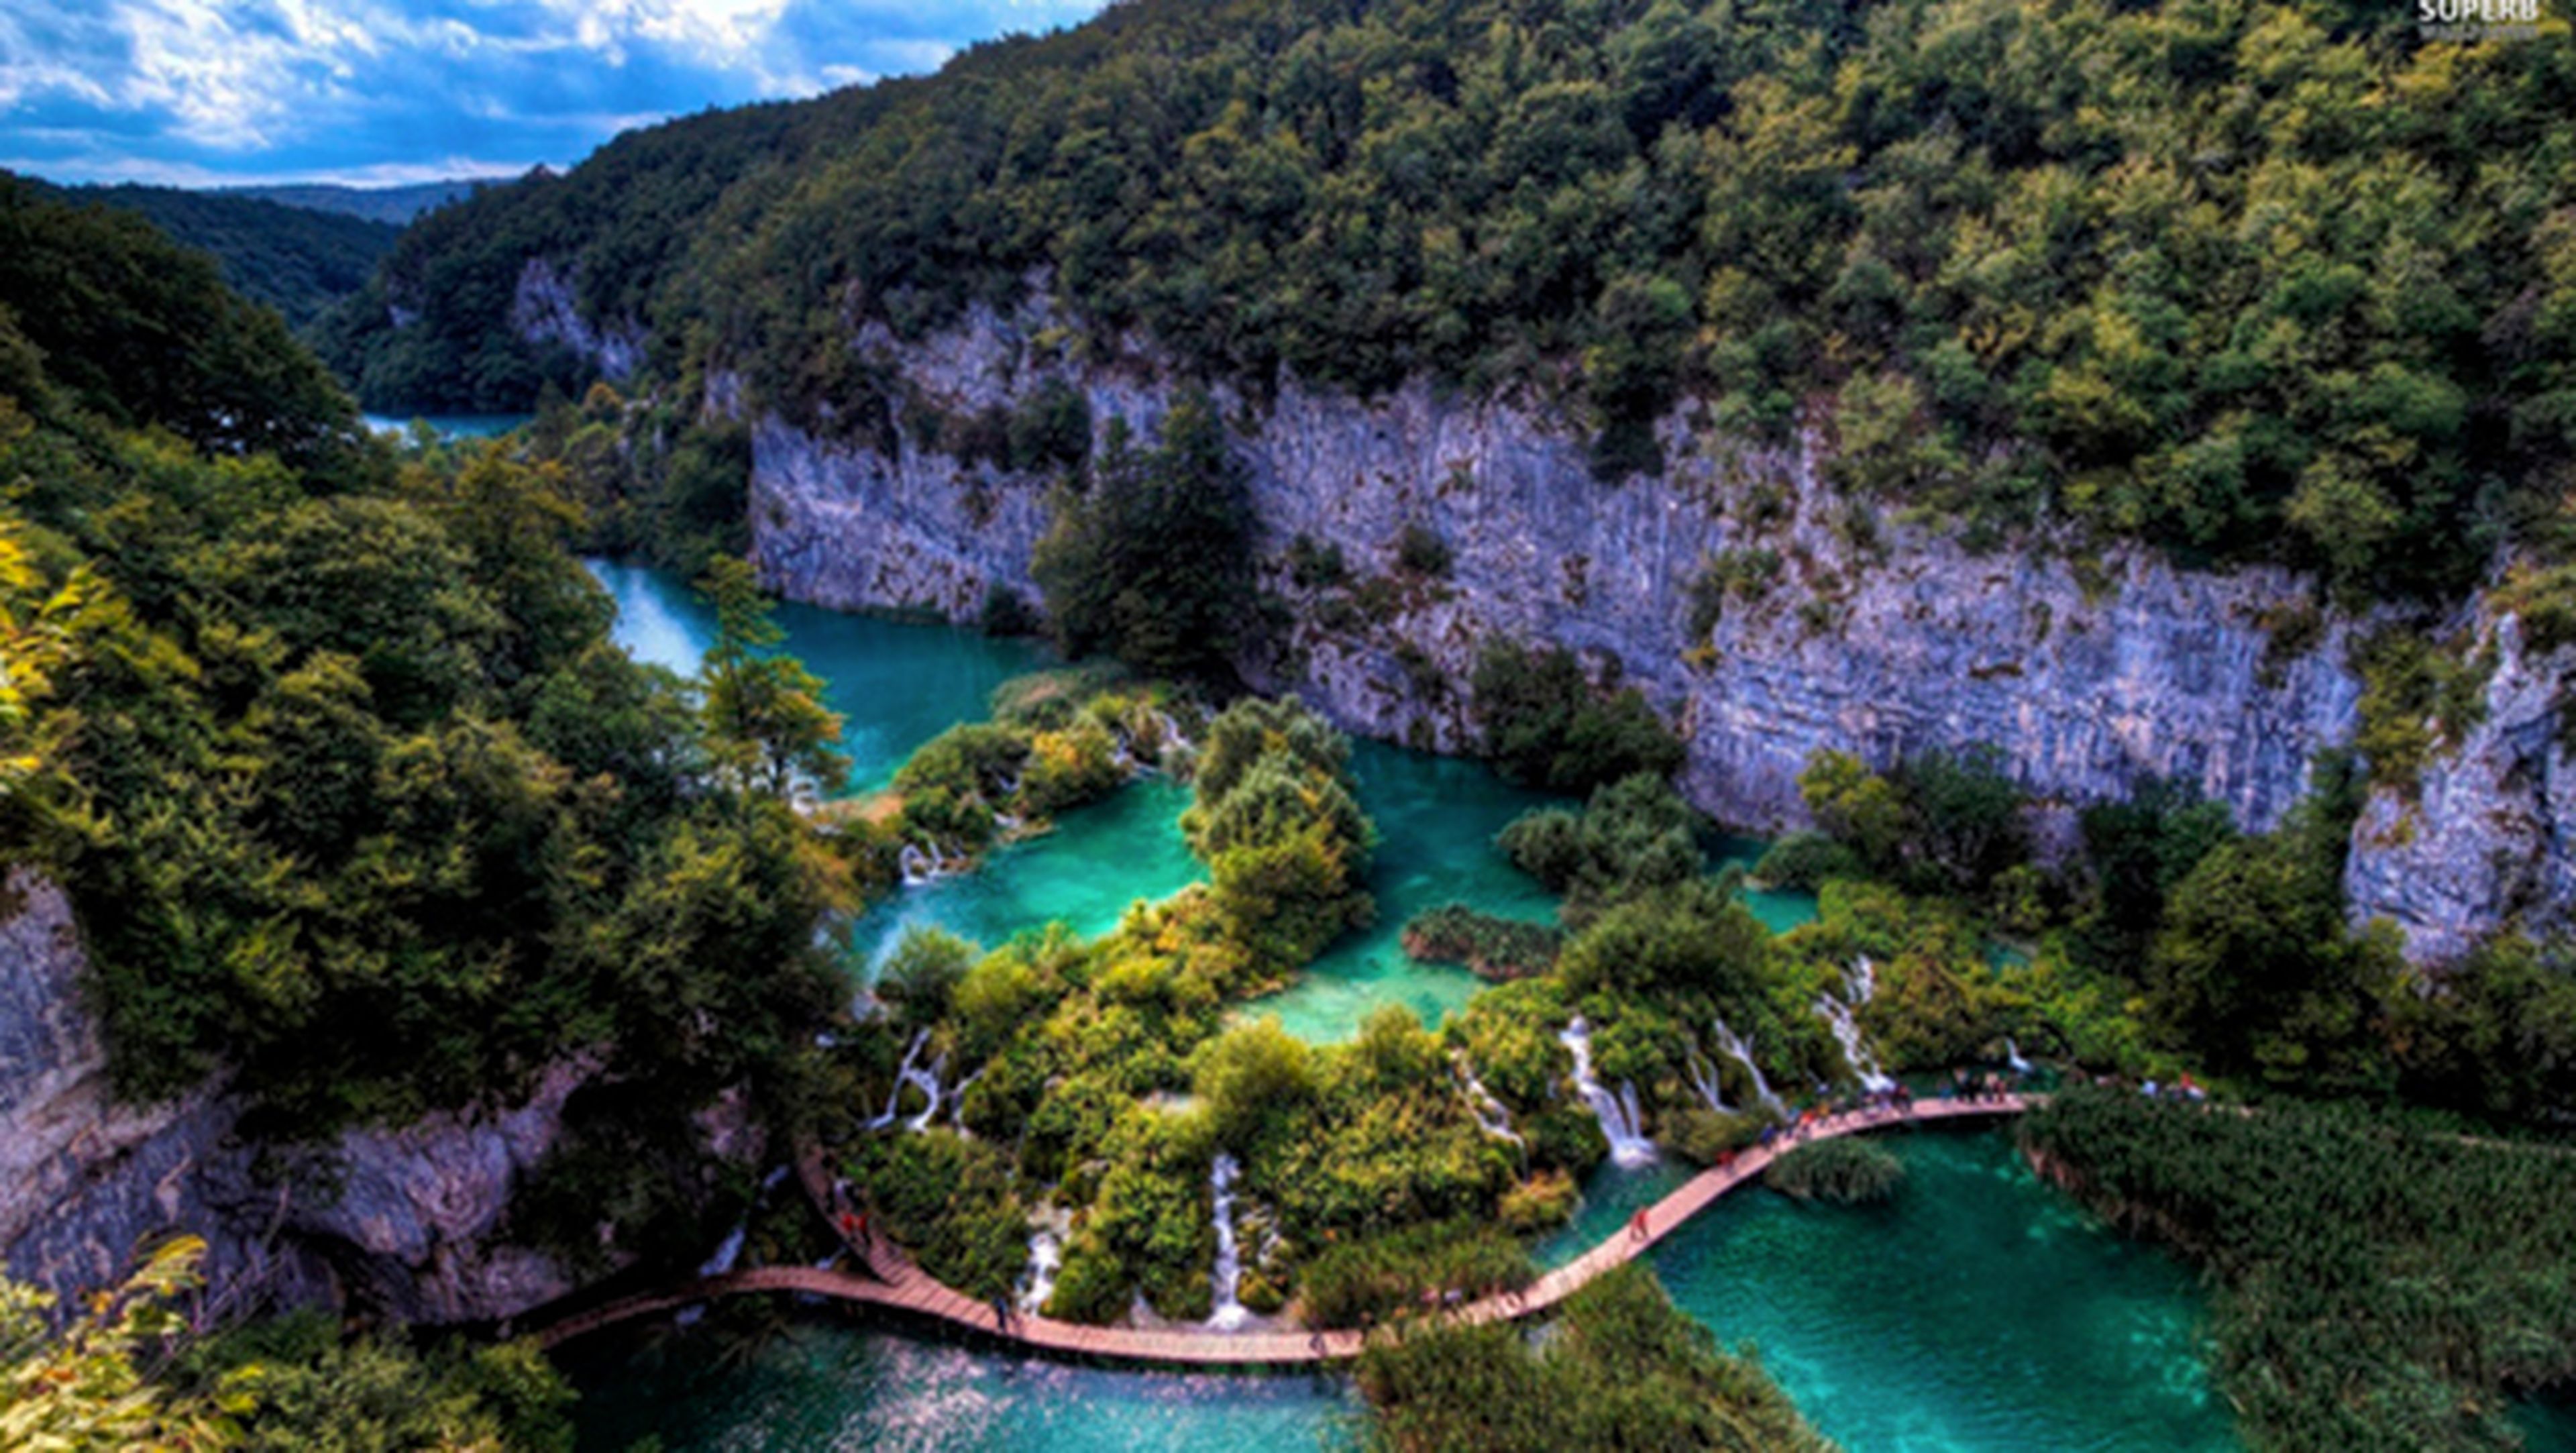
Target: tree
(1249,1075)
(765,717)
(81,1388)
(1152,563)
(1544,723)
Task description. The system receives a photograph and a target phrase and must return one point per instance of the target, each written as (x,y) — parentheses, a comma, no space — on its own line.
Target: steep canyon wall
(2089,671)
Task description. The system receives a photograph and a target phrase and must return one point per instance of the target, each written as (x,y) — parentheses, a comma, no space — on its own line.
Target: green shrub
(1847,1171)
(1491,947)
(1804,861)
(1384,1277)
(1543,722)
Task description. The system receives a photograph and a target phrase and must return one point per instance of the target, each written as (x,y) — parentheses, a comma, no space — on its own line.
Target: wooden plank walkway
(899,1284)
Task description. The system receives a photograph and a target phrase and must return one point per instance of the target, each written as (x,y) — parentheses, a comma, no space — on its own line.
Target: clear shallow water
(1084,874)
(897,684)
(449,426)
(1980,1311)
(829,1385)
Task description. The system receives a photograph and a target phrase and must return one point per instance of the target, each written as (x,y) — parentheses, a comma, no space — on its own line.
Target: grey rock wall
(1877,637)
(402,1221)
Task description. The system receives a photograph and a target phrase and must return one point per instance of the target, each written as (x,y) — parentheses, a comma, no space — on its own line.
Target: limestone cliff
(1862,632)
(401,1221)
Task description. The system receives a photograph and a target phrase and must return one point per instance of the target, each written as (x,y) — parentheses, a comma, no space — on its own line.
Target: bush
(1384,1277)
(1544,1200)
(1544,723)
(1500,949)
(1847,1171)
(1803,861)
(1421,551)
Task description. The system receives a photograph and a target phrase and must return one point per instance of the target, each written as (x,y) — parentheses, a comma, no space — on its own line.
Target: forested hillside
(356,804)
(296,261)
(396,205)
(2254,281)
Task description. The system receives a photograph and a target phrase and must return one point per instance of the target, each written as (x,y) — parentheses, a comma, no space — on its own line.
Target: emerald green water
(1084,874)
(1980,1310)
(895,683)
(831,1384)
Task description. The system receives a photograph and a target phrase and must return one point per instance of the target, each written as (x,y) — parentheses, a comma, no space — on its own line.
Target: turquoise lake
(1981,1311)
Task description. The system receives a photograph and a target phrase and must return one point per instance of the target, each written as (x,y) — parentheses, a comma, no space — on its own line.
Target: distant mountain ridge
(397,206)
(296,260)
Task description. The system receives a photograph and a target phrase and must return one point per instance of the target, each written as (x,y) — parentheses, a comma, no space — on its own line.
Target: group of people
(1979,1086)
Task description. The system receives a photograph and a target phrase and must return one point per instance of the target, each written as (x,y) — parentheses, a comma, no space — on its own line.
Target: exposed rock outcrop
(403,1221)
(2490,835)
(1854,631)
(544,309)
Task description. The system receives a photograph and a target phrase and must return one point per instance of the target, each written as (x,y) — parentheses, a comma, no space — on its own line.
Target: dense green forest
(353,798)
(295,260)
(2254,281)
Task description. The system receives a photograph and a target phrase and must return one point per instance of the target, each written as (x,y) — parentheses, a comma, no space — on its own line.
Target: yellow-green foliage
(1274,818)
(2419,696)
(1622,1370)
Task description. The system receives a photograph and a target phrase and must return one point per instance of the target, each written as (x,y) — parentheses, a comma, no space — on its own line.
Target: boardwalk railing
(897,1283)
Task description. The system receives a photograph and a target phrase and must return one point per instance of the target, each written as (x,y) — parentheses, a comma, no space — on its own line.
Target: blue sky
(207,92)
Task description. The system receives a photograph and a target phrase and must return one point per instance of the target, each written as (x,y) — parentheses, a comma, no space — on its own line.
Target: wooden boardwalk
(897,1283)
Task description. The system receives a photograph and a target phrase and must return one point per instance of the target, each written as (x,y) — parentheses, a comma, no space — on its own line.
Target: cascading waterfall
(1703,1078)
(2012,1058)
(957,1102)
(1046,1258)
(1740,1049)
(928,1083)
(1859,983)
(1618,1113)
(920,865)
(911,1073)
(728,1251)
(1229,1312)
(1492,1116)
(1173,740)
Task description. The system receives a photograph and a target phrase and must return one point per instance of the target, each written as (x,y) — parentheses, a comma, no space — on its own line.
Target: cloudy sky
(200,92)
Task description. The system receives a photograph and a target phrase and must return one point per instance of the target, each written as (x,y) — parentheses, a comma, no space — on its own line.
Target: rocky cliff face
(1854,631)
(2490,835)
(402,1221)
(544,310)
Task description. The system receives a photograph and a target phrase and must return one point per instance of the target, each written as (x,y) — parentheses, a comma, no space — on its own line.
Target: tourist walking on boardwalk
(1637,1225)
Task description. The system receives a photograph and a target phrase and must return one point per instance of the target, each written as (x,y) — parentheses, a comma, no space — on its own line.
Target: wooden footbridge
(893,1281)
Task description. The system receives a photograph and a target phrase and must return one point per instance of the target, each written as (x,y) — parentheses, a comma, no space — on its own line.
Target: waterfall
(2012,1057)
(1173,740)
(957,1101)
(1617,1113)
(1491,1115)
(911,1073)
(1739,1049)
(928,1083)
(1009,821)
(1037,1283)
(728,1251)
(920,865)
(1703,1078)
(1859,983)
(1229,1312)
